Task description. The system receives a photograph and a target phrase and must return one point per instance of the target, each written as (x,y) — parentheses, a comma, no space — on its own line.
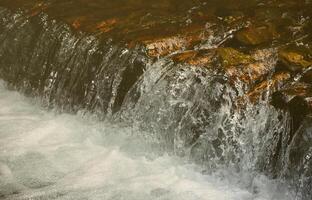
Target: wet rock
(164,46)
(236,66)
(232,57)
(270,85)
(255,35)
(195,58)
(307,77)
(227,57)
(293,60)
(294,97)
(248,69)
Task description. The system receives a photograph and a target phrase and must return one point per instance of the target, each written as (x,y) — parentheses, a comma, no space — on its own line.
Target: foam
(44,155)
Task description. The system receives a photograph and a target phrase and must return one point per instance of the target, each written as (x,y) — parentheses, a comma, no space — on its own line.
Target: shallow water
(44,155)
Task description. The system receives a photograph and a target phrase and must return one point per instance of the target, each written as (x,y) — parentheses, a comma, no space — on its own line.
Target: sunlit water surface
(44,155)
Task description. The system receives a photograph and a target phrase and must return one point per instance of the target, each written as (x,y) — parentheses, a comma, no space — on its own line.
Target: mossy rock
(233,57)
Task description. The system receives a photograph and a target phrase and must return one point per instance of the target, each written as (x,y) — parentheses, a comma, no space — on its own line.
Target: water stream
(44,155)
(88,116)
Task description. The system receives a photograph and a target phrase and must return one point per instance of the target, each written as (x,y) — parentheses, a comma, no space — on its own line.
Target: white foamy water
(44,155)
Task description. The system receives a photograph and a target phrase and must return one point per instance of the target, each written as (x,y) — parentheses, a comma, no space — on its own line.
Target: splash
(60,156)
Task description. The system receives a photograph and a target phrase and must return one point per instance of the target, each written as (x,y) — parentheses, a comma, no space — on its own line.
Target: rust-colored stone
(106,25)
(293,60)
(272,84)
(166,45)
(195,58)
(236,65)
(78,21)
(246,68)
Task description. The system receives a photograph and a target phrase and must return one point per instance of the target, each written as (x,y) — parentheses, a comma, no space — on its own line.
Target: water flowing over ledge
(60,156)
(197,99)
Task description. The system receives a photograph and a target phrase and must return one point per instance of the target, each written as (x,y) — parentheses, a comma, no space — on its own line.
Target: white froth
(49,156)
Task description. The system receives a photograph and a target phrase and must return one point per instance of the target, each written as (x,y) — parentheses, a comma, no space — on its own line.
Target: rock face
(197,75)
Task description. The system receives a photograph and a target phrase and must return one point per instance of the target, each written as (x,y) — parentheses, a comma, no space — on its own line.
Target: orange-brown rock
(293,60)
(106,25)
(246,68)
(161,26)
(164,46)
(165,27)
(195,58)
(183,40)
(236,65)
(76,23)
(271,84)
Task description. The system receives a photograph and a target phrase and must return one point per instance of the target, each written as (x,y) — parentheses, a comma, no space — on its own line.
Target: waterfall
(192,112)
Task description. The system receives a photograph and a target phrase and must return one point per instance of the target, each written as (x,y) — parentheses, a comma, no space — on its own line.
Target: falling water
(44,155)
(136,129)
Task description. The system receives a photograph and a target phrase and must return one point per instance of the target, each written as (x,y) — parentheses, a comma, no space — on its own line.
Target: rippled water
(44,155)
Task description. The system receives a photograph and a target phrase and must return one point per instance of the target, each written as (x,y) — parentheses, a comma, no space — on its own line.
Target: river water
(44,155)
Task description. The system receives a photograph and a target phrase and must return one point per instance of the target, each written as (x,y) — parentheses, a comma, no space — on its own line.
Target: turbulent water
(145,129)
(44,155)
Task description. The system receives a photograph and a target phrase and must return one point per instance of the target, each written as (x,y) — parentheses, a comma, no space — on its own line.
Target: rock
(294,61)
(248,69)
(235,65)
(232,57)
(307,77)
(272,85)
(163,46)
(255,35)
(296,100)
(195,57)
(294,97)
